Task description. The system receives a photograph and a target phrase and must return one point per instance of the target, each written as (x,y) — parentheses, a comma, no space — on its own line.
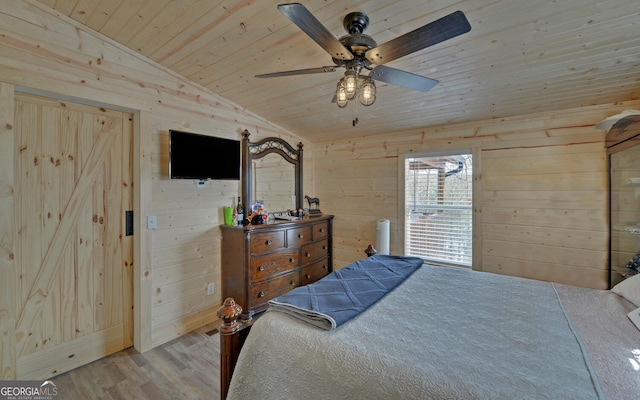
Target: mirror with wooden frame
(267,175)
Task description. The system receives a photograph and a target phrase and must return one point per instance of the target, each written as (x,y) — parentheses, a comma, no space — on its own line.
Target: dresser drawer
(315,251)
(320,231)
(314,272)
(296,237)
(265,291)
(262,242)
(264,266)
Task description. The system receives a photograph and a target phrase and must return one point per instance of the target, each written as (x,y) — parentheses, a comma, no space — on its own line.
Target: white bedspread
(465,335)
(611,339)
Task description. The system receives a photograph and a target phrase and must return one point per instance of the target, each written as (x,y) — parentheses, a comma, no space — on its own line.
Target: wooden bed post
(229,342)
(370,251)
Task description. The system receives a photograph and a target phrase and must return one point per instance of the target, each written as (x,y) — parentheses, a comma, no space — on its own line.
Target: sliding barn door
(74,263)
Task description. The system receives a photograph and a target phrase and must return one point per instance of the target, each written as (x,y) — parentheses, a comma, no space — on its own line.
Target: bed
(444,333)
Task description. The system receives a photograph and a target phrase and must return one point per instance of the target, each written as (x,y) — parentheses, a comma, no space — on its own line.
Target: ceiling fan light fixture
(357,51)
(341,95)
(350,83)
(367,92)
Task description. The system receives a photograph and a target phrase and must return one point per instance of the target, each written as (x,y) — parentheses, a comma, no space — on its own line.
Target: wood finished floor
(185,368)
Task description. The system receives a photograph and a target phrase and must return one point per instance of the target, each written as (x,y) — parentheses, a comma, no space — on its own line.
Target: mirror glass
(274,183)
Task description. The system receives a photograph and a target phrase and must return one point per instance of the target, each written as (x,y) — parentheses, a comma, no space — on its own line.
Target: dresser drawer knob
(308,276)
(321,230)
(292,283)
(269,242)
(261,294)
(324,247)
(300,235)
(324,267)
(308,254)
(292,260)
(261,268)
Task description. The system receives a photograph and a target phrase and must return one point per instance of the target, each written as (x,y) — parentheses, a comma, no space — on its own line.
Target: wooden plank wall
(49,54)
(542,203)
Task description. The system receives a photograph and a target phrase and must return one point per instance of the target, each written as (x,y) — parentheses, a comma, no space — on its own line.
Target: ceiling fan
(357,51)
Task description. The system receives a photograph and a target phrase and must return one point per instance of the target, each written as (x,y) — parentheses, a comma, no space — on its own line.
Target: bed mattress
(444,333)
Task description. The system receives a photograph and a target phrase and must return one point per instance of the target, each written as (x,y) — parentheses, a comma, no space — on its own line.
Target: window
(438,208)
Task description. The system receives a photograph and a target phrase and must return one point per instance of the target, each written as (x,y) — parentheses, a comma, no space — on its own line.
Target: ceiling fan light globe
(367,93)
(350,84)
(341,97)
(368,101)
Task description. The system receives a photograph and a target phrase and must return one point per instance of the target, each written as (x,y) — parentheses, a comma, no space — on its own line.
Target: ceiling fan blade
(298,72)
(445,28)
(402,78)
(300,16)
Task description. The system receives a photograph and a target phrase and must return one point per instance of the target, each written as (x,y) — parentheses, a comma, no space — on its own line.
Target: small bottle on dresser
(240,212)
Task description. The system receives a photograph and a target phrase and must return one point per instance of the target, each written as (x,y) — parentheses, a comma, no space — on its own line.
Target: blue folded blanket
(345,293)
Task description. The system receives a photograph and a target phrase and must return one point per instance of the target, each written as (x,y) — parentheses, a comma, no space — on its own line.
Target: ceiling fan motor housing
(355,22)
(356,41)
(358,44)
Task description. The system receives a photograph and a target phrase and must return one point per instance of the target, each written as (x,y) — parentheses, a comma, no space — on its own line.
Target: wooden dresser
(260,262)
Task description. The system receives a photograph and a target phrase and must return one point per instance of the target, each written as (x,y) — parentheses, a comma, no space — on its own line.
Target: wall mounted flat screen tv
(202,157)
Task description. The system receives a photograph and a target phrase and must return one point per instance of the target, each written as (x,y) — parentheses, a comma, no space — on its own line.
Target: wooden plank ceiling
(521,56)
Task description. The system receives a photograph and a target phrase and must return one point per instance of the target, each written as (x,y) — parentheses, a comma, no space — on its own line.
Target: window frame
(476,212)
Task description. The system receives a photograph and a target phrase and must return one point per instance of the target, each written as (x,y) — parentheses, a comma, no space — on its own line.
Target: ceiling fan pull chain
(355,103)
(355,110)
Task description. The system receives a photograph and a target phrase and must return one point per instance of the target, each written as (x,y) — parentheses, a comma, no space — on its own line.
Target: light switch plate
(151,222)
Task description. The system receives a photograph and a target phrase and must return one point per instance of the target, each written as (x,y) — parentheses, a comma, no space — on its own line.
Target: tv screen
(195,156)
